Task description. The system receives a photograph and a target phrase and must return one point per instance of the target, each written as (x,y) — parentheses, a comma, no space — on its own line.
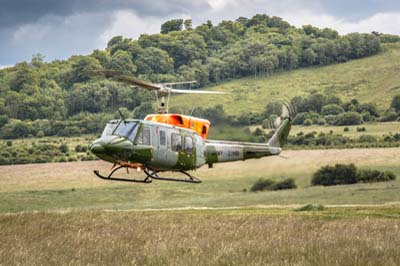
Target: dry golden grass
(243,237)
(300,164)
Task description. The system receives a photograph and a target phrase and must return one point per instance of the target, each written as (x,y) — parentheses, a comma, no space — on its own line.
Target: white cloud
(381,22)
(128,24)
(1,67)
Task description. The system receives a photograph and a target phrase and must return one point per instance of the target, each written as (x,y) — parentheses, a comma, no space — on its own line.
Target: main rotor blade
(196,91)
(137,82)
(179,82)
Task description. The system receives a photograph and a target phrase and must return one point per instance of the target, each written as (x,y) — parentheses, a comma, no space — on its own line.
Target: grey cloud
(17,12)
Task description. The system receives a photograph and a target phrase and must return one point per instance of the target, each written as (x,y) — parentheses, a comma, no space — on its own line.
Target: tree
(26,79)
(37,60)
(121,62)
(396,103)
(172,25)
(85,69)
(154,60)
(332,109)
(91,97)
(114,41)
(349,118)
(142,110)
(188,24)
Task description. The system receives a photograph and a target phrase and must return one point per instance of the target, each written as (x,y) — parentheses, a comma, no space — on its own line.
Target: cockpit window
(127,130)
(108,130)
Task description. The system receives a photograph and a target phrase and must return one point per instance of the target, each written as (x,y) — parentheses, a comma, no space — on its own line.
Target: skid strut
(149,178)
(153,174)
(109,177)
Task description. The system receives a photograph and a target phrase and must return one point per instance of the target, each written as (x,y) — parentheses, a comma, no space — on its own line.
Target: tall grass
(198,238)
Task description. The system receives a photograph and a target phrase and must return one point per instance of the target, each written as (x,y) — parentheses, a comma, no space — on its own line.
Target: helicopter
(164,142)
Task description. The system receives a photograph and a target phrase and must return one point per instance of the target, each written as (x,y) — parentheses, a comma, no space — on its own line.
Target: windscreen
(108,130)
(127,130)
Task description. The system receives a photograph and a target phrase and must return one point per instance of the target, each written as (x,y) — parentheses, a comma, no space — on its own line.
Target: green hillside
(374,79)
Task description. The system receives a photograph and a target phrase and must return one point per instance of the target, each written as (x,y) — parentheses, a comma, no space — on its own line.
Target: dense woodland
(72,97)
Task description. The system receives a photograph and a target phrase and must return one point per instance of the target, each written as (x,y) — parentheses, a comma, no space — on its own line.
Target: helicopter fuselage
(162,147)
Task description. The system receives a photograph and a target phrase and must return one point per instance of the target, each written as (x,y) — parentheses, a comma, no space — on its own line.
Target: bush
(80,148)
(261,184)
(335,175)
(390,115)
(310,207)
(287,183)
(40,134)
(332,109)
(268,184)
(369,176)
(64,148)
(349,118)
(367,139)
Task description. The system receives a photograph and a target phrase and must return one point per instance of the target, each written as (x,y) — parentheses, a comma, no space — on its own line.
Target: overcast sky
(58,29)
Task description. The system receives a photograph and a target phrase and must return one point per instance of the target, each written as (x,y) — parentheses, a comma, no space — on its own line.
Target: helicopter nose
(96,148)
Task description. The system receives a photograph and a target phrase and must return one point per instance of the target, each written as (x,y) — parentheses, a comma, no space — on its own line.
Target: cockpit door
(161,135)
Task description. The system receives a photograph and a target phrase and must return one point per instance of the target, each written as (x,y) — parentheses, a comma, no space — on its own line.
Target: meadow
(372,79)
(61,214)
(63,186)
(273,236)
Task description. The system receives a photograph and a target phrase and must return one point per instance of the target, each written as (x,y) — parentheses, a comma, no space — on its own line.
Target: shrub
(40,134)
(80,148)
(9,143)
(64,148)
(268,184)
(287,183)
(310,207)
(361,129)
(330,119)
(307,122)
(367,138)
(332,109)
(346,129)
(368,176)
(335,175)
(261,184)
(390,115)
(349,118)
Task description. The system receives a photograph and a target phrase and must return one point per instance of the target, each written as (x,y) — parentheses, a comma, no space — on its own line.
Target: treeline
(260,45)
(321,109)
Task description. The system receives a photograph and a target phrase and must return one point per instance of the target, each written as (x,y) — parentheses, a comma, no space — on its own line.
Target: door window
(188,144)
(162,138)
(176,142)
(144,137)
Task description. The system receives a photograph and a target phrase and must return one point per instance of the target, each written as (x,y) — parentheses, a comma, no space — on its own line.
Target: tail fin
(280,136)
(282,125)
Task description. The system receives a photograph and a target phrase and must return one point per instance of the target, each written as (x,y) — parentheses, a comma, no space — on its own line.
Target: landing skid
(110,178)
(154,175)
(149,178)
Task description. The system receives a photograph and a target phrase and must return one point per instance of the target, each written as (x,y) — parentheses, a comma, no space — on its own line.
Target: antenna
(123,118)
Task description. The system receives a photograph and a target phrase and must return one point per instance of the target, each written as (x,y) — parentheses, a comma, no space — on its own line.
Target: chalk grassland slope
(362,236)
(373,79)
(58,186)
(375,129)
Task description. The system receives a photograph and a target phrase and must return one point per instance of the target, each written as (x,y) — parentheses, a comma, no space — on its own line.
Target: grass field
(375,129)
(60,186)
(374,79)
(61,214)
(335,236)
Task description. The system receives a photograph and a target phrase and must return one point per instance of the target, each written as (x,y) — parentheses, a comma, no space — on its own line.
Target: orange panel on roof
(201,126)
